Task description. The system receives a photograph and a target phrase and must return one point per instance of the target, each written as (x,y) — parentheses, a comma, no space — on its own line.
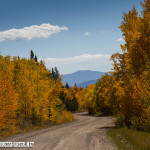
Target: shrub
(120,122)
(135,124)
(99,114)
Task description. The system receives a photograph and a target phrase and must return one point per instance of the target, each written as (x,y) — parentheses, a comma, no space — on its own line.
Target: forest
(126,92)
(32,96)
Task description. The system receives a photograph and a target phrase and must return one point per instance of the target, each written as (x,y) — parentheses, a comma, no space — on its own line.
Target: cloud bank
(32,32)
(78,59)
(99,62)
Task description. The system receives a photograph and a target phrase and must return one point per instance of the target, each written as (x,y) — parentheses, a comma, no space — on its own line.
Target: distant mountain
(81,76)
(86,83)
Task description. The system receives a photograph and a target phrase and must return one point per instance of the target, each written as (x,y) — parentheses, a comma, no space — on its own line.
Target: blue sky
(70,34)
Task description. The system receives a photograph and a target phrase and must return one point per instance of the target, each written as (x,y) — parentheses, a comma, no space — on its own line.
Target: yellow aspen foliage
(79,96)
(127,90)
(29,96)
(131,69)
(8,105)
(88,98)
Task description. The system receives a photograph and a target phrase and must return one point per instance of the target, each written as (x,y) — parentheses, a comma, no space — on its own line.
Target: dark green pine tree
(75,104)
(31,55)
(53,73)
(57,75)
(35,58)
(18,57)
(67,86)
(72,104)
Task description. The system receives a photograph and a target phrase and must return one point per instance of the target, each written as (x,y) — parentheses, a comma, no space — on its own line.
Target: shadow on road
(109,127)
(86,114)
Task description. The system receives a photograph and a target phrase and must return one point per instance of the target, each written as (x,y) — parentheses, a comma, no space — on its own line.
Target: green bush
(120,122)
(136,125)
(99,114)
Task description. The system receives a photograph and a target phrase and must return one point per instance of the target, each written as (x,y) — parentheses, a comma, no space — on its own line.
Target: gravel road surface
(86,133)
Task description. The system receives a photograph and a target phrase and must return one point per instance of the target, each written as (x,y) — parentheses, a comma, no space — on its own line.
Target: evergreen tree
(75,104)
(67,86)
(35,58)
(31,55)
(57,75)
(75,85)
(53,73)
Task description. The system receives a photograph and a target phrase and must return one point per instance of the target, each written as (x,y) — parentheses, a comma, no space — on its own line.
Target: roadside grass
(126,139)
(30,128)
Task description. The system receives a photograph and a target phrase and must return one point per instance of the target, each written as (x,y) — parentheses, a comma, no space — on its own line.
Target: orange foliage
(29,96)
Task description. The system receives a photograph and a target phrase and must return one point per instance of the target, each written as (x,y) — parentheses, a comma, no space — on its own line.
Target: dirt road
(86,133)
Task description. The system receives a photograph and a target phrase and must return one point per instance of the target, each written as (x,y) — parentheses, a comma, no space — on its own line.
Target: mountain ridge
(86,83)
(81,76)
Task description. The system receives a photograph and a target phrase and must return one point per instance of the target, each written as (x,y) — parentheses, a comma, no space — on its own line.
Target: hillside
(81,76)
(86,83)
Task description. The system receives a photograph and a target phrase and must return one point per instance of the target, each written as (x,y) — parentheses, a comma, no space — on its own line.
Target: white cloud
(99,62)
(86,34)
(78,59)
(120,40)
(32,32)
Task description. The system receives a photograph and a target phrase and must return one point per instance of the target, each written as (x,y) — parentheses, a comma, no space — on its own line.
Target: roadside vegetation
(125,92)
(127,139)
